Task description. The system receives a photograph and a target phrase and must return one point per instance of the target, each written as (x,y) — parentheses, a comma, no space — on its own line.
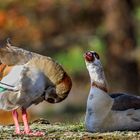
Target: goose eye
(96,55)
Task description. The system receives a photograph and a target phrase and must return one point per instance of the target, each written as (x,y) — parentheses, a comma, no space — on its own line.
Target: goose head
(92,60)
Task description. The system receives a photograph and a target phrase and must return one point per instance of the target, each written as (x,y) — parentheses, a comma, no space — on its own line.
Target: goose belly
(115,120)
(122,120)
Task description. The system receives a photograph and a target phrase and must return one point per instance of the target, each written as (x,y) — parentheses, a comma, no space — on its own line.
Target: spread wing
(124,101)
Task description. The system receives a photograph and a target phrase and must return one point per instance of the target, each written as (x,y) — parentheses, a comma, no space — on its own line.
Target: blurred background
(64,30)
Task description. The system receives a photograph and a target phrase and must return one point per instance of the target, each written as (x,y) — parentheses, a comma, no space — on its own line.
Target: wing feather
(124,101)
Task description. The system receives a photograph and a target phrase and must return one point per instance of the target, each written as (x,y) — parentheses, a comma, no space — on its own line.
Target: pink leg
(25,121)
(26,125)
(15,117)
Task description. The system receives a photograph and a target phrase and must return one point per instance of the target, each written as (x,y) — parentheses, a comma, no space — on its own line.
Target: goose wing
(11,80)
(22,87)
(124,101)
(9,89)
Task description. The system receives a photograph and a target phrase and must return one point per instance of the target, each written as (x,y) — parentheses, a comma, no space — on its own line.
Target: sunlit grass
(66,131)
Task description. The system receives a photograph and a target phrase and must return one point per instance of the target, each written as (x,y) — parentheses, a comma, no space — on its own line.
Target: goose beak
(88,56)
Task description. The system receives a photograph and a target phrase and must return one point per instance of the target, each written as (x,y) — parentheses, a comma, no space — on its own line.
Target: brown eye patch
(96,55)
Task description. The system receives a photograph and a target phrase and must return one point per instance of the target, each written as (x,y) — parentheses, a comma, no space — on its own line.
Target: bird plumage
(58,83)
(29,78)
(108,112)
(123,101)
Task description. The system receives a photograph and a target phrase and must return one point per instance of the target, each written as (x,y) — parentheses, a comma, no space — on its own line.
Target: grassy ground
(65,132)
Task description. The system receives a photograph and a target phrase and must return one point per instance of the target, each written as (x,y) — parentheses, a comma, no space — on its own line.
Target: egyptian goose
(28,78)
(108,112)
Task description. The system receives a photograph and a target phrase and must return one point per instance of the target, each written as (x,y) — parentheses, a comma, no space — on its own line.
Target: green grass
(66,131)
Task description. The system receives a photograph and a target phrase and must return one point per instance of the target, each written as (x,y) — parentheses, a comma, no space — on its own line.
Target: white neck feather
(99,102)
(97,75)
